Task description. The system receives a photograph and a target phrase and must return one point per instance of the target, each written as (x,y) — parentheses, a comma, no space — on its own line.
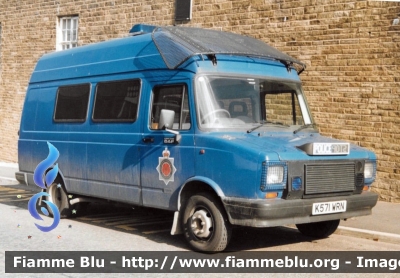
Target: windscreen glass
(243,103)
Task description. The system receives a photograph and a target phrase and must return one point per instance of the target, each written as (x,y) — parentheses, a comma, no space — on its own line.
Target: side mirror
(166,119)
(166,122)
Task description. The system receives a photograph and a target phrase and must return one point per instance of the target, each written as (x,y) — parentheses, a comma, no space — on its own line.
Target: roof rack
(178,44)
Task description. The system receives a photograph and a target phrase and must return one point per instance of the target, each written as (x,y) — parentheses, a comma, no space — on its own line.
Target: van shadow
(155,225)
(249,238)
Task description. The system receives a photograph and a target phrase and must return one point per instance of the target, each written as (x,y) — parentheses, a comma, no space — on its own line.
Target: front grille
(329,178)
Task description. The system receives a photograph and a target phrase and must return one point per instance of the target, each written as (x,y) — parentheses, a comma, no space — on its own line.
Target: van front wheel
(319,229)
(205,224)
(59,197)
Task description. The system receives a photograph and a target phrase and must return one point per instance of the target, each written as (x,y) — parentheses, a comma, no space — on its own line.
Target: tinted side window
(116,101)
(72,103)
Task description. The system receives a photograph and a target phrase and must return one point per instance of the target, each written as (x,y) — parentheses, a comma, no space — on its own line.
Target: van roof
(152,47)
(114,56)
(178,44)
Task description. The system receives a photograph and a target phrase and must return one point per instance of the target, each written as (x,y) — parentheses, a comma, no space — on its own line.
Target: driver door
(165,163)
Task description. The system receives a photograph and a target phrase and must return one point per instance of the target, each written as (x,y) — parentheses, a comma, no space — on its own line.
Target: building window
(67,32)
(183,10)
(1,32)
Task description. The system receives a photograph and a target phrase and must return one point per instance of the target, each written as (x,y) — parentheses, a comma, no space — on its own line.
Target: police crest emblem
(166,169)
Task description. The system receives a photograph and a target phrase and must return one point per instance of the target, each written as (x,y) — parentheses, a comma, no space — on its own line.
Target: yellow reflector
(271,195)
(366,188)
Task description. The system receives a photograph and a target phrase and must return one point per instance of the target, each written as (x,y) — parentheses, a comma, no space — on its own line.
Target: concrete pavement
(7,172)
(382,225)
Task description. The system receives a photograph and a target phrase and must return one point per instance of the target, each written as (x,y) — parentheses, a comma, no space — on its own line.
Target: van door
(113,167)
(165,163)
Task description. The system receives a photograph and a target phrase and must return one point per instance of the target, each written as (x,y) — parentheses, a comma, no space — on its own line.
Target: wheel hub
(201,224)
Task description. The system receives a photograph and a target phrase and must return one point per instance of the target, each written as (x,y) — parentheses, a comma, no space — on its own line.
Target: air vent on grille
(329,178)
(360,179)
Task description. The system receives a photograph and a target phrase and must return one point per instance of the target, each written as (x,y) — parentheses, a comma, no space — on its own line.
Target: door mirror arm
(178,137)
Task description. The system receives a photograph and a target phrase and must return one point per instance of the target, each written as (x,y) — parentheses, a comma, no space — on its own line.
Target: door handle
(148,140)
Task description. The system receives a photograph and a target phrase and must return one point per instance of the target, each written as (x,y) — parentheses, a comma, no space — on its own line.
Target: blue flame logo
(43,180)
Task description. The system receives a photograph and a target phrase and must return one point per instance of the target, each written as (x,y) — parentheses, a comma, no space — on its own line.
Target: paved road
(106,227)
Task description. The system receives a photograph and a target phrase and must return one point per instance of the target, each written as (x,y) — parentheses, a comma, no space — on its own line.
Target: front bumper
(278,212)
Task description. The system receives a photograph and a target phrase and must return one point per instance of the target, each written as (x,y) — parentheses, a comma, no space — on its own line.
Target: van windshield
(248,103)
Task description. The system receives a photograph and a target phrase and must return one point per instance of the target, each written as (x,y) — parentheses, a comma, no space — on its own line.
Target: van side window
(171,97)
(72,103)
(116,101)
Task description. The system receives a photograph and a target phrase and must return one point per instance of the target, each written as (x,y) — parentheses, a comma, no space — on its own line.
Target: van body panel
(111,57)
(229,163)
(230,64)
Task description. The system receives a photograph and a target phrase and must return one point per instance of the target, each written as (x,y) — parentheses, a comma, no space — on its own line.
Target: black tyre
(206,226)
(59,197)
(319,229)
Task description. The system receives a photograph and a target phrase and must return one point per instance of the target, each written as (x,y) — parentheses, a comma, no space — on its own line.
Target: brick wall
(351,48)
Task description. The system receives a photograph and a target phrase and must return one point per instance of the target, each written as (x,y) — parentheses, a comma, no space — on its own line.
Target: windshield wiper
(254,128)
(304,127)
(265,122)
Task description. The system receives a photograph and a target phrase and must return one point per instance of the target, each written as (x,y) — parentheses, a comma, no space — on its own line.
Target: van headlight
(369,171)
(274,175)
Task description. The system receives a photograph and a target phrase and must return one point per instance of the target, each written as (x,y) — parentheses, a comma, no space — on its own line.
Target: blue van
(211,125)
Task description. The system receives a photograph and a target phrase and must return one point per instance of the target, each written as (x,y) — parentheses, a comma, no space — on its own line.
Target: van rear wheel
(206,226)
(59,197)
(319,229)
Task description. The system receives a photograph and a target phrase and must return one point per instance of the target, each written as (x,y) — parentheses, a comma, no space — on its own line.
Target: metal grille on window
(69,32)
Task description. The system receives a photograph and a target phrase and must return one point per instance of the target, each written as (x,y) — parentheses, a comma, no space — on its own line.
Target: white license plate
(331,148)
(329,207)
